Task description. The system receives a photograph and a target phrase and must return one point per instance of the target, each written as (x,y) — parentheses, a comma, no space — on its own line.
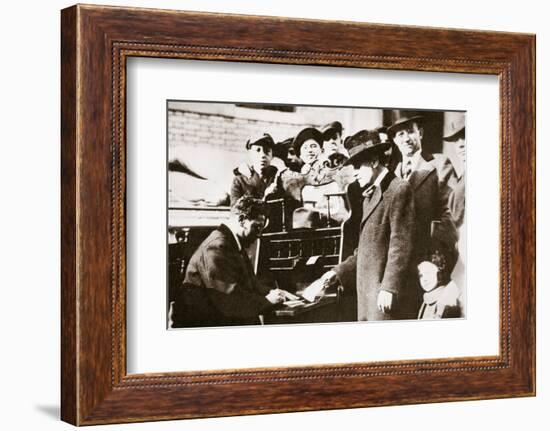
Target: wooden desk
(323,310)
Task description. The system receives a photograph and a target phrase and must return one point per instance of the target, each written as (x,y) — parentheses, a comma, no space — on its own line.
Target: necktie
(408,169)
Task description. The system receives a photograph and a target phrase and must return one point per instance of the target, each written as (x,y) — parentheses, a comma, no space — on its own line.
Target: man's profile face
(251,229)
(460,149)
(332,142)
(310,151)
(408,139)
(260,157)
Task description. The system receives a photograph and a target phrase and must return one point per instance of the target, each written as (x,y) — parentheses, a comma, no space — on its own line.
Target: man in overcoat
(220,287)
(379,267)
(432,178)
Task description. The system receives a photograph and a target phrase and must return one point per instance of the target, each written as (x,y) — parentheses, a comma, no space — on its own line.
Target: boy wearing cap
(255,176)
(379,267)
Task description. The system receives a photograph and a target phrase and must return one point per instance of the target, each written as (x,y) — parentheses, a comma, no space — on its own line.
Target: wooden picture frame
(96,41)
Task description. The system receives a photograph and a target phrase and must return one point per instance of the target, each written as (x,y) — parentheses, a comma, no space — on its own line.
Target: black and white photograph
(297,214)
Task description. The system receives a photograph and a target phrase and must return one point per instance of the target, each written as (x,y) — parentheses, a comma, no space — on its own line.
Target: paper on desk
(313,290)
(291,297)
(293,303)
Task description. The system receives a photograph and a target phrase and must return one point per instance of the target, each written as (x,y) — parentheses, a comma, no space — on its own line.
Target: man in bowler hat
(379,267)
(430,178)
(454,131)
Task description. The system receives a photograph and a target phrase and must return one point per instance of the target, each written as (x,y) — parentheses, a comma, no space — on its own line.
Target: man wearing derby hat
(407,132)
(454,131)
(378,268)
(256,175)
(431,179)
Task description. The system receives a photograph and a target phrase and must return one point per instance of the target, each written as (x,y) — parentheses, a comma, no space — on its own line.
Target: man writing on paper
(380,264)
(220,287)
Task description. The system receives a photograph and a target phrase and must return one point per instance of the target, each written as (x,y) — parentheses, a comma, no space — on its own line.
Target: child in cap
(442,297)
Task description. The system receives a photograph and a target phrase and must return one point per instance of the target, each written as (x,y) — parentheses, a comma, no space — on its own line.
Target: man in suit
(431,178)
(379,267)
(220,287)
(454,131)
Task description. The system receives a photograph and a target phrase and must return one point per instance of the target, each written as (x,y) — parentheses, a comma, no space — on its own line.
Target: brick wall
(193,129)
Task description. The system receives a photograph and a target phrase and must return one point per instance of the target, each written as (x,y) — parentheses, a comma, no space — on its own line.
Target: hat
(280,149)
(362,143)
(453,123)
(304,135)
(265,140)
(401,118)
(334,126)
(444,257)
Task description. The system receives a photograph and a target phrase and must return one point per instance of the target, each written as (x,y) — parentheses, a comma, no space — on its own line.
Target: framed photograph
(267,215)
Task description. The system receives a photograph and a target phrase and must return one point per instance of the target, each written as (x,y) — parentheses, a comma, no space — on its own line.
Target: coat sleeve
(347,272)
(445,231)
(225,282)
(400,247)
(236,190)
(446,174)
(457,203)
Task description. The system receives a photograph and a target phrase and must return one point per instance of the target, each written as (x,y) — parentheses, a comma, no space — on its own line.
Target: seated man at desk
(220,287)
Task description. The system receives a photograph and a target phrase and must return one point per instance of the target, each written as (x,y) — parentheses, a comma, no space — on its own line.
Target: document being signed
(314,290)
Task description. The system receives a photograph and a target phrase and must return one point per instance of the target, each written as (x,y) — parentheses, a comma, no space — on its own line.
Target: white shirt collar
(415,160)
(380,177)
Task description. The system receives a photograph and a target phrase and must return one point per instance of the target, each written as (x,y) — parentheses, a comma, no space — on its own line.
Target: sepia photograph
(298,214)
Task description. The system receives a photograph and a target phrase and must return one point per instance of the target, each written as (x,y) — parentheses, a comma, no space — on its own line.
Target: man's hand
(384,301)
(275,296)
(289,296)
(329,279)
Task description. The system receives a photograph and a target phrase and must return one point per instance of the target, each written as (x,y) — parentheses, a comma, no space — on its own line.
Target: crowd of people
(404,207)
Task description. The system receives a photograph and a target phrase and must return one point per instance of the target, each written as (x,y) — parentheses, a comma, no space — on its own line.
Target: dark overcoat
(434,226)
(220,287)
(433,221)
(383,255)
(457,202)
